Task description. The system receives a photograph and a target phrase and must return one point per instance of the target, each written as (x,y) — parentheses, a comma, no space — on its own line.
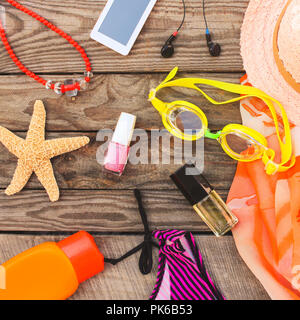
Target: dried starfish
(34,153)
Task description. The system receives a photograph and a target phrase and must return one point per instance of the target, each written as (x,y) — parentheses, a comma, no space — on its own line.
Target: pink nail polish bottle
(117,153)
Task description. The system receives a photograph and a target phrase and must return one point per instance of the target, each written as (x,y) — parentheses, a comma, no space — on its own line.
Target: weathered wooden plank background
(124,281)
(90,199)
(78,18)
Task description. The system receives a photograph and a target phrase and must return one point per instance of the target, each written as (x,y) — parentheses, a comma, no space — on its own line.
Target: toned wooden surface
(45,52)
(91,199)
(97,210)
(124,281)
(80,169)
(108,94)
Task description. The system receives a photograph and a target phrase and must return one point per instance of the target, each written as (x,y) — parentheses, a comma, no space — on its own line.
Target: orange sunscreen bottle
(51,271)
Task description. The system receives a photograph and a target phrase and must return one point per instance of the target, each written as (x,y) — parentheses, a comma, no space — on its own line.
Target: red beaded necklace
(70,87)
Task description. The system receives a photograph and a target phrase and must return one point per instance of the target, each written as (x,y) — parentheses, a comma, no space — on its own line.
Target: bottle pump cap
(84,255)
(190,185)
(124,129)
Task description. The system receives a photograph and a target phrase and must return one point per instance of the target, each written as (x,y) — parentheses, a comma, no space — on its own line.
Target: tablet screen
(122,19)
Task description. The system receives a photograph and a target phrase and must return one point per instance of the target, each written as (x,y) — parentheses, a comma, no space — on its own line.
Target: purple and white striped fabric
(181,271)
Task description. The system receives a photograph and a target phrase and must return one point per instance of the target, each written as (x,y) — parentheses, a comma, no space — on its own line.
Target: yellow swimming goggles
(187,121)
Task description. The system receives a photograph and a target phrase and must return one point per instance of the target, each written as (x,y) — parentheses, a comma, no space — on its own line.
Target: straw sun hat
(270,47)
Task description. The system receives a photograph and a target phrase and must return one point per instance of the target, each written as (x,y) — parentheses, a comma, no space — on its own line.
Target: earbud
(214,48)
(168,49)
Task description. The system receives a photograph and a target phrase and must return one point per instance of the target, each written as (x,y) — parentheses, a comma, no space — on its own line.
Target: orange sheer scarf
(268,208)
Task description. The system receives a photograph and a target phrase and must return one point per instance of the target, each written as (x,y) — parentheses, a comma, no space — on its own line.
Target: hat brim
(258,56)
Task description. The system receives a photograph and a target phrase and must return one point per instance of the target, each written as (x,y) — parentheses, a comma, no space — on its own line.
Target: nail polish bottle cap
(188,180)
(124,129)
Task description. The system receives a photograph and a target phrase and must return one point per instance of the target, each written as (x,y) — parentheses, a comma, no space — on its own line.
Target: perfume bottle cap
(124,129)
(189,183)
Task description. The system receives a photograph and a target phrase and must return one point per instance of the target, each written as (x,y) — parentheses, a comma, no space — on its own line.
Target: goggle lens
(241,146)
(185,121)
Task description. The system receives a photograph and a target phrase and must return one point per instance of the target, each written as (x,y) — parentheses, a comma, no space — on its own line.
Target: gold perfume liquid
(214,212)
(205,201)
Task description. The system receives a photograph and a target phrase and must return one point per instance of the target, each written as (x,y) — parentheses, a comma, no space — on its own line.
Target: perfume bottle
(204,199)
(116,155)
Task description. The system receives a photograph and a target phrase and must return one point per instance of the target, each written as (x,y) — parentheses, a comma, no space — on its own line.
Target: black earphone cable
(184,11)
(168,49)
(204,15)
(214,48)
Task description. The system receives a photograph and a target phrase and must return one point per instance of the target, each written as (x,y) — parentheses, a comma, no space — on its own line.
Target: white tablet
(121,22)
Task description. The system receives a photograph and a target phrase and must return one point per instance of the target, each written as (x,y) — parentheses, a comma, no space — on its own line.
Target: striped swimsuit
(181,272)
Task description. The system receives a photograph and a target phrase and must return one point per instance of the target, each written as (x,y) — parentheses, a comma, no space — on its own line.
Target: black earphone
(167,50)
(214,48)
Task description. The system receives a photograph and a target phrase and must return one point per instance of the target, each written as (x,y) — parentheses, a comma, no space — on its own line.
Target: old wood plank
(124,281)
(80,169)
(97,211)
(109,94)
(99,108)
(51,53)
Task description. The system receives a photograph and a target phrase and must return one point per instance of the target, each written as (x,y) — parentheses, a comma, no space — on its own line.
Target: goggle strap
(158,104)
(171,75)
(272,168)
(285,147)
(246,91)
